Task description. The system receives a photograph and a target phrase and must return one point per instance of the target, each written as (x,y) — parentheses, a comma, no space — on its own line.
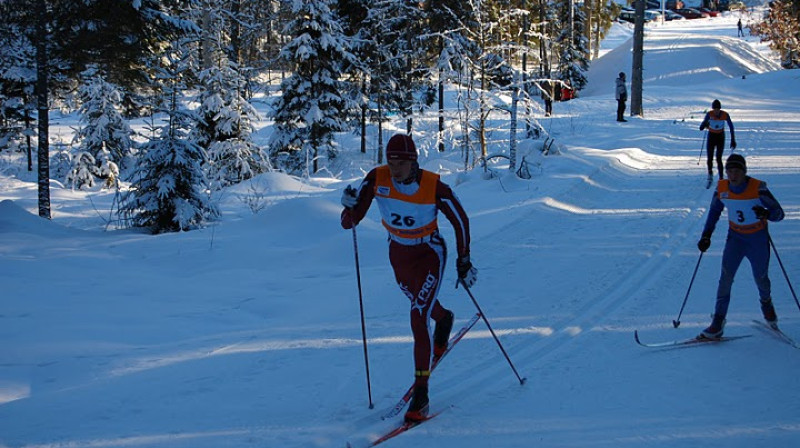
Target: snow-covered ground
(247,333)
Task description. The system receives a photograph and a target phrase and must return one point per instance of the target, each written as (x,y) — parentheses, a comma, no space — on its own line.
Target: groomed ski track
(599,243)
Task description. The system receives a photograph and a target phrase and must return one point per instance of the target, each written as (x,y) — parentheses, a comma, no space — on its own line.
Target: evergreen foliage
(224,128)
(105,129)
(574,56)
(315,103)
(169,190)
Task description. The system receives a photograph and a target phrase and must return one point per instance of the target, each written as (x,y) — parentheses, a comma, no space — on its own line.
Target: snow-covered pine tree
(104,128)
(574,55)
(169,191)
(315,103)
(399,66)
(225,127)
(83,172)
(450,22)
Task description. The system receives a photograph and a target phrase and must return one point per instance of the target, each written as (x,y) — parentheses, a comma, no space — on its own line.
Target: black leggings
(715,141)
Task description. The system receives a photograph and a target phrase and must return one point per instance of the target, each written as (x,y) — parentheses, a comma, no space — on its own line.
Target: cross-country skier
(715,120)
(409,199)
(750,205)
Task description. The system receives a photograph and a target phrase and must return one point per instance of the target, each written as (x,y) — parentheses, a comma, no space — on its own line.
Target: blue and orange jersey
(739,201)
(715,122)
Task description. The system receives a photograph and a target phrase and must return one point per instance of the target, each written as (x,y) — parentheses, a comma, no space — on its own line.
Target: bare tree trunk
(43,109)
(638,57)
(364,106)
(380,130)
(441,110)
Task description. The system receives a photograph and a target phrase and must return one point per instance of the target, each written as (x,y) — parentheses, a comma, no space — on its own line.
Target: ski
(685,342)
(453,341)
(777,332)
(405,426)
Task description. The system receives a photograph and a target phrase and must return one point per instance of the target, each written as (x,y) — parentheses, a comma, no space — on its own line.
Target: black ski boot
(418,409)
(441,335)
(768,310)
(715,330)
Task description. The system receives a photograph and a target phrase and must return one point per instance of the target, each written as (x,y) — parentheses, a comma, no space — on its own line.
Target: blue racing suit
(748,236)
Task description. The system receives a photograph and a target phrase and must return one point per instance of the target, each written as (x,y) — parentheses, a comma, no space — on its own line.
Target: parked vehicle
(691,13)
(672,15)
(629,15)
(710,12)
(653,15)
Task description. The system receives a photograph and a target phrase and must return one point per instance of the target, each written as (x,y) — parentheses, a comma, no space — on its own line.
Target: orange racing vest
(741,217)
(407,217)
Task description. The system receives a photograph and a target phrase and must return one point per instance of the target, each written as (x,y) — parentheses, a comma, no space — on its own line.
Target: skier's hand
(702,127)
(349,197)
(466,272)
(704,243)
(733,144)
(761,212)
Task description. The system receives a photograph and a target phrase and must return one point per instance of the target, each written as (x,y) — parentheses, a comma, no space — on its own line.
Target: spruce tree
(314,104)
(574,55)
(169,191)
(104,128)
(225,127)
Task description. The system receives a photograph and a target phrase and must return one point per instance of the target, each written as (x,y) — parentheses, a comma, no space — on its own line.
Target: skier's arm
(730,126)
(704,124)
(770,203)
(714,212)
(450,206)
(366,192)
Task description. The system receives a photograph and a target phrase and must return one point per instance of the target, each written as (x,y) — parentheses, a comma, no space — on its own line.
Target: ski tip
(636,336)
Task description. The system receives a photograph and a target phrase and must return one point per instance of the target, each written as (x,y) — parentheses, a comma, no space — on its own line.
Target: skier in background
(715,120)
(409,199)
(750,205)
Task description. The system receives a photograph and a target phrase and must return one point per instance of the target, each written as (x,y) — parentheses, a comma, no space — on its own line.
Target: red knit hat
(401,147)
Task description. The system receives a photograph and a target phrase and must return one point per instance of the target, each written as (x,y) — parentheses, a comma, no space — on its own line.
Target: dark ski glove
(761,212)
(704,243)
(349,197)
(466,272)
(733,143)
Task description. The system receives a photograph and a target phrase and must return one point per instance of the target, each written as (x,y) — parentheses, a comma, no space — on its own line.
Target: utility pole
(638,57)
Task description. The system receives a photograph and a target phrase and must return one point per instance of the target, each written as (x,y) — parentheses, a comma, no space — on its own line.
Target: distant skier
(750,205)
(715,121)
(740,32)
(622,97)
(409,199)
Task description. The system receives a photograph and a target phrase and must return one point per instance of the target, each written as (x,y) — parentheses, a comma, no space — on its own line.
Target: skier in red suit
(409,199)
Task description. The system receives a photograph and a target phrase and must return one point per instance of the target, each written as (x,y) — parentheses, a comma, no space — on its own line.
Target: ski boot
(418,409)
(768,310)
(441,335)
(715,330)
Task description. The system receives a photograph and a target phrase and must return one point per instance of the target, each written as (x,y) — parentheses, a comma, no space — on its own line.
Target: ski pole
(483,315)
(363,325)
(677,322)
(702,145)
(784,271)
